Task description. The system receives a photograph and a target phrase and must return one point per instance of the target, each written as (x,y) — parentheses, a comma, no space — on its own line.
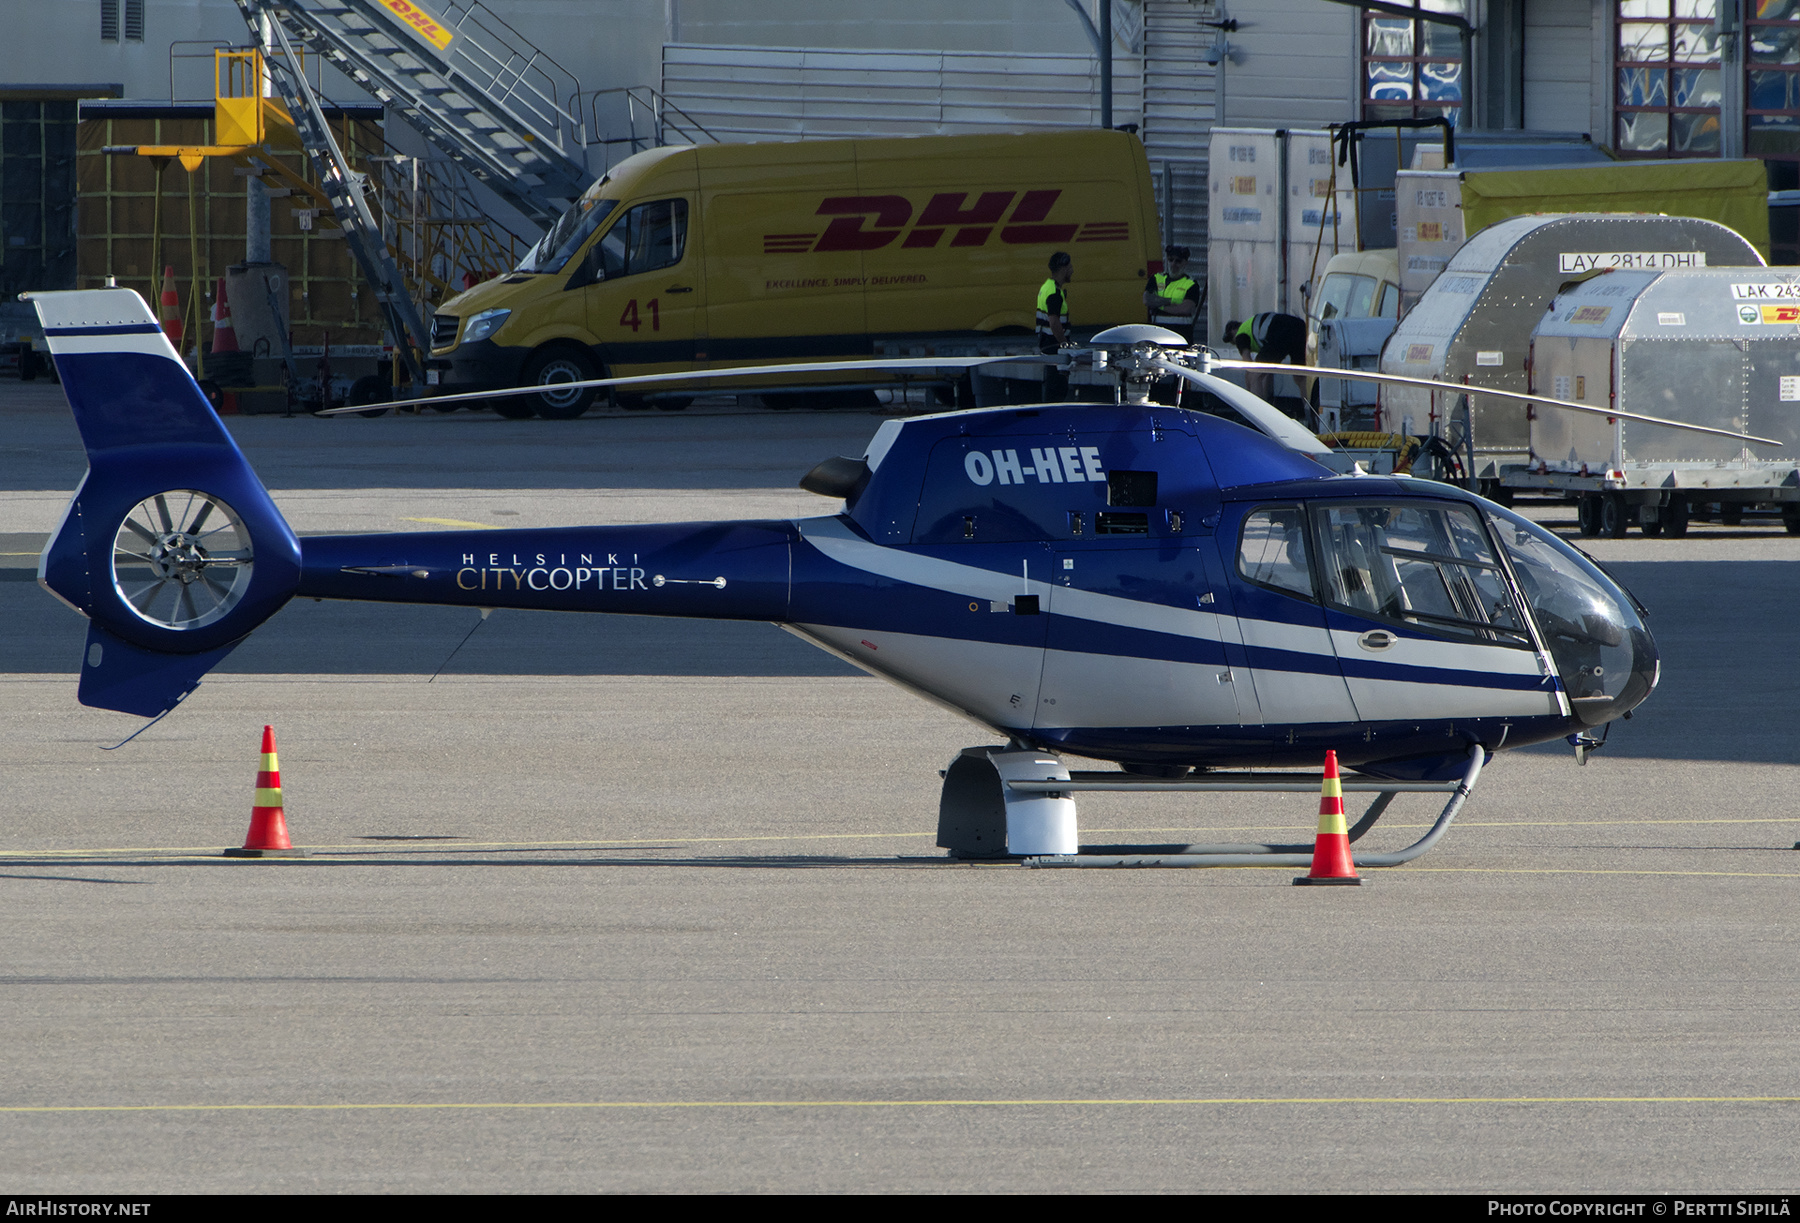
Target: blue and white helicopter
(1155,587)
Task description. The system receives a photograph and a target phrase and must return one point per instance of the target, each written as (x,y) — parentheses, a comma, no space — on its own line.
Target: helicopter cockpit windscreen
(563,239)
(1428,566)
(1602,651)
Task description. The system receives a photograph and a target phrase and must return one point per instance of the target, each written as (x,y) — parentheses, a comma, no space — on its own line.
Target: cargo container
(1476,320)
(1718,347)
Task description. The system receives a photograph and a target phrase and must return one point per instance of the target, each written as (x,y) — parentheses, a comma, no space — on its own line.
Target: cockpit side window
(1425,566)
(1272,550)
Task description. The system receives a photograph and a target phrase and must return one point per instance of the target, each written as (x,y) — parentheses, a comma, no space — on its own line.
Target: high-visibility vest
(1172,292)
(1050,288)
(1256,330)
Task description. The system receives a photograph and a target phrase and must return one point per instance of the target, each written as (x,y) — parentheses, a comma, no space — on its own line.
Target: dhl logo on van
(427,26)
(870,222)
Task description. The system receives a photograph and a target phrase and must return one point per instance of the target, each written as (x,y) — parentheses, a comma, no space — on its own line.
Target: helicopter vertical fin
(126,678)
(171,547)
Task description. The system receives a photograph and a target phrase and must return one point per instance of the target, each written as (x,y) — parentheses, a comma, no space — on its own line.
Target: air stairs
(466,80)
(344,191)
(1180,102)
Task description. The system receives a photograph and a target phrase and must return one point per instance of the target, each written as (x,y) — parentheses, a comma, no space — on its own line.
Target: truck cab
(1355,284)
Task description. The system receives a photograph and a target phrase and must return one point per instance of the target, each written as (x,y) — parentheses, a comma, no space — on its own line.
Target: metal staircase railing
(650,118)
(472,85)
(343,187)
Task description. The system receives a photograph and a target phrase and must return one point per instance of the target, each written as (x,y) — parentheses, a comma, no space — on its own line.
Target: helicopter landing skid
(1000,803)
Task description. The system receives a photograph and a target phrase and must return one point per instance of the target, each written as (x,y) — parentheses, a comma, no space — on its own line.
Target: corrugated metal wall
(1294,63)
(1559,67)
(787,93)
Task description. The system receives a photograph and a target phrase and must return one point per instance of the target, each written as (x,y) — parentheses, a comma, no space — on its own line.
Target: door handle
(679,289)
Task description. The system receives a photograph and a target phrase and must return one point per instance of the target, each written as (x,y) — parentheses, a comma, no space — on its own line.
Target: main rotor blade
(740,371)
(1357,375)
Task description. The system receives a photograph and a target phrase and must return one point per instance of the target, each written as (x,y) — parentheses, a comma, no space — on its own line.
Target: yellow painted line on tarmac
(210,855)
(1789,819)
(456,843)
(456,522)
(1576,870)
(1072,1102)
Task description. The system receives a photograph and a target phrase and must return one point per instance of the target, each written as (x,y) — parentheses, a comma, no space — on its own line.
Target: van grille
(443,330)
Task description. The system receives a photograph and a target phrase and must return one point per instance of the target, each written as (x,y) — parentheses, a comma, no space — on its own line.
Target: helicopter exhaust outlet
(1331,863)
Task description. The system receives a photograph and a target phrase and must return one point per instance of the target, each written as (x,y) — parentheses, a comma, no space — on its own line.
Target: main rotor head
(1133,351)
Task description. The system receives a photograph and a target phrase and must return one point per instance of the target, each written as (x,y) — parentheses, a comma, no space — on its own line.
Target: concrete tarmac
(620,904)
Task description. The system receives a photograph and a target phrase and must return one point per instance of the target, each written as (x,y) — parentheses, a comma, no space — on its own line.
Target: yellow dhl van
(737,254)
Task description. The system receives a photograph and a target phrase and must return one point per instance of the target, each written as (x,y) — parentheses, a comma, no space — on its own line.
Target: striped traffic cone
(171,309)
(268,835)
(1331,850)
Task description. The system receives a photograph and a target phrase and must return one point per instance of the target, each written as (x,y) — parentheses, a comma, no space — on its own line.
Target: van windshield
(564,238)
(1343,295)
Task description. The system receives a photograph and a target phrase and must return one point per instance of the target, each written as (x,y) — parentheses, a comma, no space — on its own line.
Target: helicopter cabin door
(1134,639)
(1422,616)
(1275,628)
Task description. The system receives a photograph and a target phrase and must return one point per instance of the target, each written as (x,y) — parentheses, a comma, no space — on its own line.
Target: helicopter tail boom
(713,570)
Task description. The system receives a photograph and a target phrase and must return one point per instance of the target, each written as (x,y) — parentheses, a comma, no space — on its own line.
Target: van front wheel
(550,366)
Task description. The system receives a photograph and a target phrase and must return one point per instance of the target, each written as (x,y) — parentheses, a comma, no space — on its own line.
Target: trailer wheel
(1615,517)
(1790,518)
(370,389)
(1587,514)
(1674,518)
(1731,513)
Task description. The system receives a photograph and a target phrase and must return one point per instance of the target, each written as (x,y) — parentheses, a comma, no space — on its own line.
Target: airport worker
(1269,338)
(1053,322)
(1171,295)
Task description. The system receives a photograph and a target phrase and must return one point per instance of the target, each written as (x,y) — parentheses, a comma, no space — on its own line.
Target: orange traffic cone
(268,835)
(225,341)
(224,334)
(171,309)
(1331,850)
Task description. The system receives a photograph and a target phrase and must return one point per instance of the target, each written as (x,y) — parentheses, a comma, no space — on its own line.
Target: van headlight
(483,325)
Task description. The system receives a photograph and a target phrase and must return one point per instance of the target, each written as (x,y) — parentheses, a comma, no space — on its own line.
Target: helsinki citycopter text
(547,575)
